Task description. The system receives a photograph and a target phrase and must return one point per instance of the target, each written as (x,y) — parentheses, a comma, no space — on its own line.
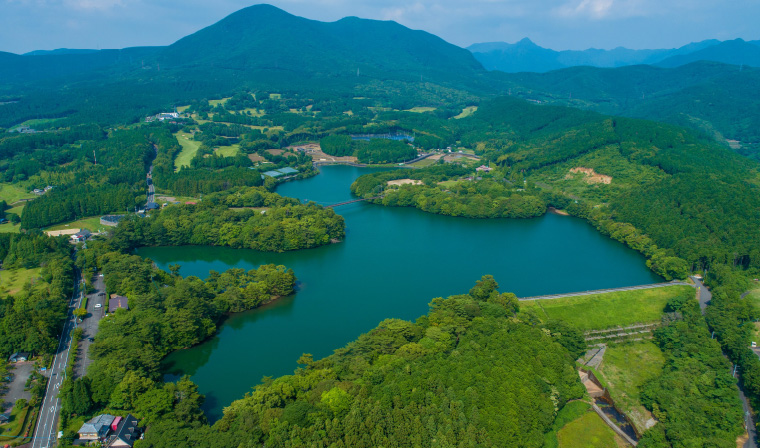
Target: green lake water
(392,263)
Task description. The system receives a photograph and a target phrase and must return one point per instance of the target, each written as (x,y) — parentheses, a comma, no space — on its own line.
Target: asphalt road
(45,434)
(89,324)
(704,299)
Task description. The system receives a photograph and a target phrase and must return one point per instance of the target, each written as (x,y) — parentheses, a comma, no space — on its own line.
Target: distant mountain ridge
(526,56)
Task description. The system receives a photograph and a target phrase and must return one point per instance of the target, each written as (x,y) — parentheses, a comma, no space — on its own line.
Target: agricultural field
(602,311)
(12,281)
(11,193)
(625,368)
(466,112)
(189,149)
(227,151)
(92,224)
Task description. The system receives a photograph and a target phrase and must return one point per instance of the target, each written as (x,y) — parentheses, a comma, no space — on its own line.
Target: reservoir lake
(391,264)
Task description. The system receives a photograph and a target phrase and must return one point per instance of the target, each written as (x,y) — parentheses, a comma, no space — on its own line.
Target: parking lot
(15,389)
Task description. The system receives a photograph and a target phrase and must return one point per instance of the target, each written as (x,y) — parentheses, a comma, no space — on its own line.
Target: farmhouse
(125,432)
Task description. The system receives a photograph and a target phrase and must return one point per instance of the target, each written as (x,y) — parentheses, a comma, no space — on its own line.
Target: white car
(97,305)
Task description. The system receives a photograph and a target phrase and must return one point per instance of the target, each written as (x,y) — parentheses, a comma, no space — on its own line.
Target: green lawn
(626,367)
(589,431)
(92,224)
(189,149)
(11,193)
(228,151)
(466,112)
(181,109)
(10,228)
(12,281)
(601,311)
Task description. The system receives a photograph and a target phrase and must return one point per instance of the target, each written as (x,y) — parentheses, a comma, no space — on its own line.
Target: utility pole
(95,157)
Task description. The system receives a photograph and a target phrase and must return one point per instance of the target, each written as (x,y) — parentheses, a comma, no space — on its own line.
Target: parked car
(102,294)
(97,305)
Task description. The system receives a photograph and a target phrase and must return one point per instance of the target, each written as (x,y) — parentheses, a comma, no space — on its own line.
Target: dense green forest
(249,218)
(31,319)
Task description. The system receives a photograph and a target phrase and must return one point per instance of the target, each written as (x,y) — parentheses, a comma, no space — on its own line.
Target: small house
(38,192)
(151,206)
(125,432)
(97,427)
(483,168)
(117,302)
(5,418)
(19,357)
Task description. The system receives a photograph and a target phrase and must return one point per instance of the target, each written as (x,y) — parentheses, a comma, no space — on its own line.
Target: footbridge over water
(351,202)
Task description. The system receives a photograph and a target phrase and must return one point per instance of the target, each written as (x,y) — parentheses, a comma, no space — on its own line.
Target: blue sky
(27,25)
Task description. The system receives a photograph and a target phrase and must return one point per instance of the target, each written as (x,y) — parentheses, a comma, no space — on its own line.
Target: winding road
(704,296)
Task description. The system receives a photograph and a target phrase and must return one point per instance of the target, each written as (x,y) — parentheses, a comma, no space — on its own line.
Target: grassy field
(11,193)
(600,311)
(589,431)
(213,103)
(10,228)
(466,112)
(92,224)
(421,109)
(37,122)
(626,367)
(423,163)
(275,96)
(11,282)
(189,148)
(228,151)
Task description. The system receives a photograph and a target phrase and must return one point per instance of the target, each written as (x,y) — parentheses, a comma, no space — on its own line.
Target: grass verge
(588,431)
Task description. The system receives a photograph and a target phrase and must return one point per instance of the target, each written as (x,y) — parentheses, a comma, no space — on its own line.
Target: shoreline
(555,211)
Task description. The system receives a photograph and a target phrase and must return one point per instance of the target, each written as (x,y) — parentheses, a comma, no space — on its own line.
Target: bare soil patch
(256,158)
(315,151)
(404,182)
(592,176)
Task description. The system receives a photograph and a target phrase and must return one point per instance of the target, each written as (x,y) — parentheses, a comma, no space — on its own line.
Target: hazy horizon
(30,25)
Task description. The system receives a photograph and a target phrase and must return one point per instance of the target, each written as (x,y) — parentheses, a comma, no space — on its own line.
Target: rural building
(117,302)
(151,206)
(97,428)
(125,432)
(80,236)
(38,192)
(483,168)
(5,418)
(19,357)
